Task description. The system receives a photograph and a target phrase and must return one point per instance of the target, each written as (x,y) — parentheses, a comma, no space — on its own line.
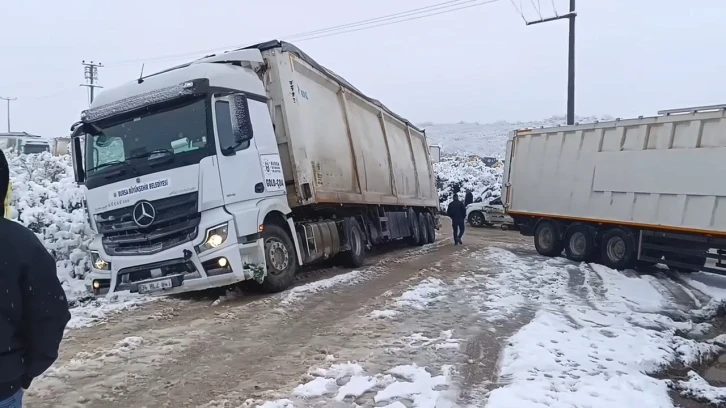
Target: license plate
(155,286)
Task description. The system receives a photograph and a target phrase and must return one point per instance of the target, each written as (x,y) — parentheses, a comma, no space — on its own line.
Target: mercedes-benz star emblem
(144,214)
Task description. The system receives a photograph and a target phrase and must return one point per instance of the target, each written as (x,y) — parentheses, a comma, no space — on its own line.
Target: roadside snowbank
(46,199)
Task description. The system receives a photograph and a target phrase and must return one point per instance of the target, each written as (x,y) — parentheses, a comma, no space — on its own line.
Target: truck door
(240,172)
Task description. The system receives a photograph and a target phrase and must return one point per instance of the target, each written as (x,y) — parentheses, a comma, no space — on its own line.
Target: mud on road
(195,352)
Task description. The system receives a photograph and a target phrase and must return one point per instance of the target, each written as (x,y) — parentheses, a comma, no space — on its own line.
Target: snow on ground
(340,384)
(592,344)
(700,390)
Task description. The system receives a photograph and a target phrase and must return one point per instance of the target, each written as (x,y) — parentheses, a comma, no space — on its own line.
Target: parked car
(488,214)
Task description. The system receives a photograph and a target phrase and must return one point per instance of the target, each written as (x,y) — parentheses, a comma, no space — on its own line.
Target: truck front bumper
(184,268)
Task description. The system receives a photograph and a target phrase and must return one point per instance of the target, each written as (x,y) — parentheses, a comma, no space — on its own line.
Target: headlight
(98,262)
(214,237)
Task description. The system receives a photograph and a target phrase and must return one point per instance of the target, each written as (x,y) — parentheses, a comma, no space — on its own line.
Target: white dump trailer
(645,190)
(245,165)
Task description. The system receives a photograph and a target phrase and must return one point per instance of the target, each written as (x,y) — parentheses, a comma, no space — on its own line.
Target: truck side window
(496,201)
(224,126)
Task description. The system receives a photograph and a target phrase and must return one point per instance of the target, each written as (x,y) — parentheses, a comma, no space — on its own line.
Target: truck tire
(579,243)
(355,257)
(423,238)
(618,249)
(280,258)
(546,239)
(476,219)
(430,228)
(413,227)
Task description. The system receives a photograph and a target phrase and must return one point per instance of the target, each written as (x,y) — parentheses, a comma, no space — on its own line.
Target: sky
(479,64)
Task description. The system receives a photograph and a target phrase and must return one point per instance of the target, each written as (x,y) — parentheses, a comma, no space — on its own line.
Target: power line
(400,17)
(398,21)
(8,99)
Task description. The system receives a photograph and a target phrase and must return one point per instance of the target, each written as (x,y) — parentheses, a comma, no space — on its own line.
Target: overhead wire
(399,17)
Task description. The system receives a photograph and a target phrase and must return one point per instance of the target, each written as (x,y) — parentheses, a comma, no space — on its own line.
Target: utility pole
(570,59)
(8,99)
(90,71)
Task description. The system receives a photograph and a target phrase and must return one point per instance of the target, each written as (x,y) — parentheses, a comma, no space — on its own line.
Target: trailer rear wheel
(423,238)
(579,243)
(355,257)
(617,249)
(280,258)
(413,226)
(430,228)
(546,239)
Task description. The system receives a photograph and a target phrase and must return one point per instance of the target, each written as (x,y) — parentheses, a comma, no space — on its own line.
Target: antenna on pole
(8,99)
(90,71)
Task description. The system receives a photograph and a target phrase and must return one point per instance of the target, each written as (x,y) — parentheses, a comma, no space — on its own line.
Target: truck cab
(179,167)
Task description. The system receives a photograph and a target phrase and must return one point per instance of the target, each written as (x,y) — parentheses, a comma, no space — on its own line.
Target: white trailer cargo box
(659,174)
(338,145)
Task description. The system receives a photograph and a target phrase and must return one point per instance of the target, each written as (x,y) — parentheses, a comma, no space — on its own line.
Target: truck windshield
(176,132)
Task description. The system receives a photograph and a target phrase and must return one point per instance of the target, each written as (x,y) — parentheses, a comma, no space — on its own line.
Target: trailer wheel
(579,243)
(355,257)
(476,219)
(430,227)
(423,238)
(413,226)
(546,239)
(280,258)
(618,249)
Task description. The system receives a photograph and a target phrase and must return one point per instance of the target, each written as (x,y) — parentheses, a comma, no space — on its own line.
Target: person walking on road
(33,307)
(457,213)
(468,198)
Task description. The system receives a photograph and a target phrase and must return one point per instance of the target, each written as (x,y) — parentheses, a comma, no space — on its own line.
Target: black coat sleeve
(45,310)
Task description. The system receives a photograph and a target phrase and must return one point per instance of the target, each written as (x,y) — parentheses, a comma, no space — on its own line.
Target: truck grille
(176,222)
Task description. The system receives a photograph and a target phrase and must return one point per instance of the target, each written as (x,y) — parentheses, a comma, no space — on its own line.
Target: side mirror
(239,111)
(77,155)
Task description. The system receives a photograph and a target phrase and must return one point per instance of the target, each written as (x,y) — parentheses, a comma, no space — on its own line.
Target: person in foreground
(33,307)
(457,213)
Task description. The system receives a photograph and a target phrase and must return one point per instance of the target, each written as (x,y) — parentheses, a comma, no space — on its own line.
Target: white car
(488,214)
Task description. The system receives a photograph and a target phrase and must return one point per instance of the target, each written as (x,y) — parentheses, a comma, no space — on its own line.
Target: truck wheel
(476,219)
(413,227)
(431,228)
(546,239)
(280,258)
(357,254)
(423,227)
(617,249)
(579,243)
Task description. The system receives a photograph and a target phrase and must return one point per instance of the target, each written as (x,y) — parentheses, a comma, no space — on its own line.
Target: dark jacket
(468,198)
(33,307)
(456,211)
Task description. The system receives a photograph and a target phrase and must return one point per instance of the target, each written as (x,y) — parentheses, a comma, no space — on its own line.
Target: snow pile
(700,390)
(349,382)
(486,140)
(46,199)
(459,174)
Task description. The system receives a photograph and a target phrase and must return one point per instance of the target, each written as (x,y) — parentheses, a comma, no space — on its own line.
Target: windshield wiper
(112,163)
(151,153)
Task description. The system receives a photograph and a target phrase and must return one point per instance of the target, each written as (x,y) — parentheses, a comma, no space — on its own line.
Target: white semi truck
(245,165)
(626,192)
